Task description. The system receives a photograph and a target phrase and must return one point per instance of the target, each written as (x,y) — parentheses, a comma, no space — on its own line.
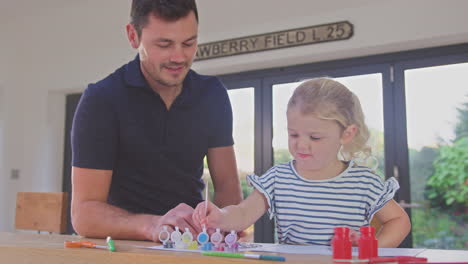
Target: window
(368,88)
(413,101)
(242,101)
(437,127)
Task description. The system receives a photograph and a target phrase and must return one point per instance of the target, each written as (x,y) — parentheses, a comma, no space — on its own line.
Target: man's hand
(180,216)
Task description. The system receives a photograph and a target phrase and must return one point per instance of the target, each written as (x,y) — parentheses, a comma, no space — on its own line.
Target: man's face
(167,50)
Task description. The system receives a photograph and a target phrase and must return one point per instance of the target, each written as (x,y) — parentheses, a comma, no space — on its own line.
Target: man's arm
(92,216)
(223,170)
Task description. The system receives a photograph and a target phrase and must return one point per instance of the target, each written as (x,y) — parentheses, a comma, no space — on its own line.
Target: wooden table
(45,248)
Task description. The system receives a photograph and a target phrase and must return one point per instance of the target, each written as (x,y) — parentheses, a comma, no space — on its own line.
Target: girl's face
(313,142)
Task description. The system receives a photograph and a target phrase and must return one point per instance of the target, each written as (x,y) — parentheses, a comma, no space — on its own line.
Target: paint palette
(215,242)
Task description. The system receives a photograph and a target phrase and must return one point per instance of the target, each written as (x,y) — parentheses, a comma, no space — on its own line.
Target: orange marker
(78,244)
(89,244)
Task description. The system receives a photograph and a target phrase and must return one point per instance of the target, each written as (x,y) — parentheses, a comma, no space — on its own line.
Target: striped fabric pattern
(307,211)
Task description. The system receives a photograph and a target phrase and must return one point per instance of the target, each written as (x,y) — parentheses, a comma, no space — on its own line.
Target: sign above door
(276,40)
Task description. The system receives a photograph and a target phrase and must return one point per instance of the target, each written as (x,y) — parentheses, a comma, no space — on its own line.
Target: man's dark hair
(169,10)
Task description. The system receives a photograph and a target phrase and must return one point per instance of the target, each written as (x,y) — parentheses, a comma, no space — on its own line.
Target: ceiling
(247,9)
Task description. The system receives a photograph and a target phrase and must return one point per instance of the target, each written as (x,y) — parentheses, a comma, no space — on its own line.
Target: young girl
(316,192)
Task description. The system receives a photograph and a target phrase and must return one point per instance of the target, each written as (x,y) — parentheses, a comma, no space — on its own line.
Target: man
(140,135)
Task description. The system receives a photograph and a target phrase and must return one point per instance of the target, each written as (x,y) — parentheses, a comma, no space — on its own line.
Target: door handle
(403,204)
(396,172)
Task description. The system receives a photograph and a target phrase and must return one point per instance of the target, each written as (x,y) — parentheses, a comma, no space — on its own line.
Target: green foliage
(447,188)
(420,169)
(281,156)
(444,225)
(246,188)
(433,228)
(461,129)
(377,145)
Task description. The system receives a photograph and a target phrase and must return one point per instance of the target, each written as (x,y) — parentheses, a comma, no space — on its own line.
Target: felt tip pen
(242,255)
(88,244)
(110,244)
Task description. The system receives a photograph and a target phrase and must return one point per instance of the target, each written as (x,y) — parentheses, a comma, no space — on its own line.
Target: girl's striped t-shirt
(307,211)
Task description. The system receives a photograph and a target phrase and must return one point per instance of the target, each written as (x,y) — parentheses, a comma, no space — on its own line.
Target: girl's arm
(395,225)
(232,217)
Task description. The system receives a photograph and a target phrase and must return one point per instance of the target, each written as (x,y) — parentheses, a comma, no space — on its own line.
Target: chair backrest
(42,211)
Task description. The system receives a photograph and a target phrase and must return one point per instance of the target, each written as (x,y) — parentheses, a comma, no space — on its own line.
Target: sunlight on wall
(3,175)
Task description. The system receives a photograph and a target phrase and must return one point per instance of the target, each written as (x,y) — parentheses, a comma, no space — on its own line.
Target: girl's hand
(211,217)
(354,237)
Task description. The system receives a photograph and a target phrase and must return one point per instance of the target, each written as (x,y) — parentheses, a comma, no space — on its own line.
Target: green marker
(110,244)
(241,255)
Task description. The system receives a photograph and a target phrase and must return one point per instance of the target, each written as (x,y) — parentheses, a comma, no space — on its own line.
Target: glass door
(437,135)
(367,87)
(415,104)
(242,102)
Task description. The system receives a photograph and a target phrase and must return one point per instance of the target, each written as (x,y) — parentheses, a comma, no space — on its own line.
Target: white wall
(2,153)
(380,27)
(52,50)
(57,47)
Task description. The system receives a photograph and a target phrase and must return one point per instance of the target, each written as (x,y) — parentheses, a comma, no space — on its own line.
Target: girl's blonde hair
(328,99)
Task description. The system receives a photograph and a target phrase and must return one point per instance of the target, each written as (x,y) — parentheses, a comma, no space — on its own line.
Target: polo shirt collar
(134,77)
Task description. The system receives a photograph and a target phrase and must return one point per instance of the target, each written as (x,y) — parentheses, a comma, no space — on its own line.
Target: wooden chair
(42,211)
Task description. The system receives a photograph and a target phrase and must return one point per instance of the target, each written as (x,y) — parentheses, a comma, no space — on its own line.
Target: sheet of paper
(326,250)
(293,249)
(170,249)
(242,247)
(392,252)
(305,249)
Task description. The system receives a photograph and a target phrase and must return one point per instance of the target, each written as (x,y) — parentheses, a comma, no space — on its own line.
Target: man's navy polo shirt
(156,155)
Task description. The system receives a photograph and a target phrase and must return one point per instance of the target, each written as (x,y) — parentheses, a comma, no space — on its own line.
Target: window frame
(391,66)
